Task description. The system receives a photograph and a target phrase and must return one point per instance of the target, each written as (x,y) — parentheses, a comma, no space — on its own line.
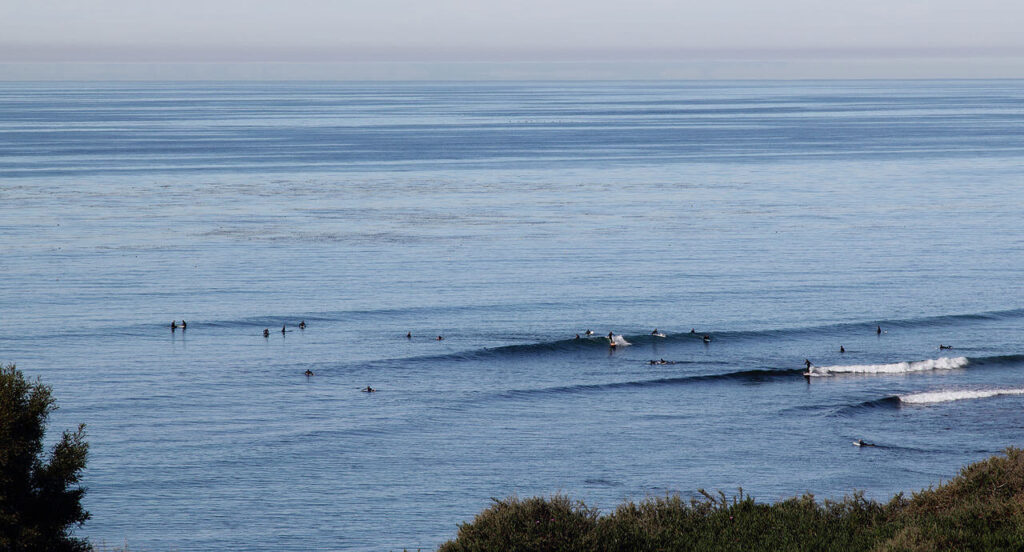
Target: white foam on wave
(944,363)
(620,341)
(946,396)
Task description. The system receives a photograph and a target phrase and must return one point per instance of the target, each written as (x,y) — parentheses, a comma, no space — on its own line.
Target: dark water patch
(749,376)
(997,360)
(602,482)
(891,402)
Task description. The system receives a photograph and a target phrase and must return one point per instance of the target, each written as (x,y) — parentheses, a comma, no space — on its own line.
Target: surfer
(878,330)
(408,335)
(174,325)
(266,332)
(707,338)
(588,332)
(302,325)
(808,363)
(693,330)
(283,330)
(184,325)
(841,349)
(577,336)
(655,332)
(309,372)
(863,443)
(611,335)
(941,346)
(439,338)
(368,389)
(807,374)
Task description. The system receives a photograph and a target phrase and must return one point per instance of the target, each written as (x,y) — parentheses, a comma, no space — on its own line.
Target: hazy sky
(955,37)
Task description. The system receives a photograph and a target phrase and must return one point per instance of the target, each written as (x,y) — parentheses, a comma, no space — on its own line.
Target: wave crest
(947,396)
(943,363)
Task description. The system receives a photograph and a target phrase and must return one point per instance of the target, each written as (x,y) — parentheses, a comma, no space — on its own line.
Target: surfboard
(658,335)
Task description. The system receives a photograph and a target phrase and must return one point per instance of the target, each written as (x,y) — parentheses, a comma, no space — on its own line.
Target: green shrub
(40,500)
(525,525)
(981,509)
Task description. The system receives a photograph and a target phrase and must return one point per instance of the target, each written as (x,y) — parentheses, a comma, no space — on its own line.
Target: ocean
(783,220)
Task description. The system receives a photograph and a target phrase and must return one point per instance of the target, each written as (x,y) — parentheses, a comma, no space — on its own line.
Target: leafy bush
(531,524)
(981,509)
(40,501)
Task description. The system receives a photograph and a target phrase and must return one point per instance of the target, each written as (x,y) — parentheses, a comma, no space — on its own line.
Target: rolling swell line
(853,327)
(890,402)
(750,376)
(893,402)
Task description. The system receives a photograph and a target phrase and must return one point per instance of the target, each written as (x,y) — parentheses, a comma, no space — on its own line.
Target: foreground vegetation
(40,495)
(981,509)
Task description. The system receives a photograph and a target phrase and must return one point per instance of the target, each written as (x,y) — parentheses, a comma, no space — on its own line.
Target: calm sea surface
(783,219)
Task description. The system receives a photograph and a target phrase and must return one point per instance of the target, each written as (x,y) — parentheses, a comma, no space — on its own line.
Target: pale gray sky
(523,39)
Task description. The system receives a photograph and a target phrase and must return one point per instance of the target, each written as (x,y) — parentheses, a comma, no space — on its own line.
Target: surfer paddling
(941,346)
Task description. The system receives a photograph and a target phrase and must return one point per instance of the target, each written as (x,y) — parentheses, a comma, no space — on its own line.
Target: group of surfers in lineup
(284,330)
(612,344)
(408,335)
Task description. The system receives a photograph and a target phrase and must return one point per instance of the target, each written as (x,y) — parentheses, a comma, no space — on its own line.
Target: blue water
(783,219)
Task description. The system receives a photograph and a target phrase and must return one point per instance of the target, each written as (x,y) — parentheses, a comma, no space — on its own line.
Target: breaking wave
(943,363)
(947,396)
